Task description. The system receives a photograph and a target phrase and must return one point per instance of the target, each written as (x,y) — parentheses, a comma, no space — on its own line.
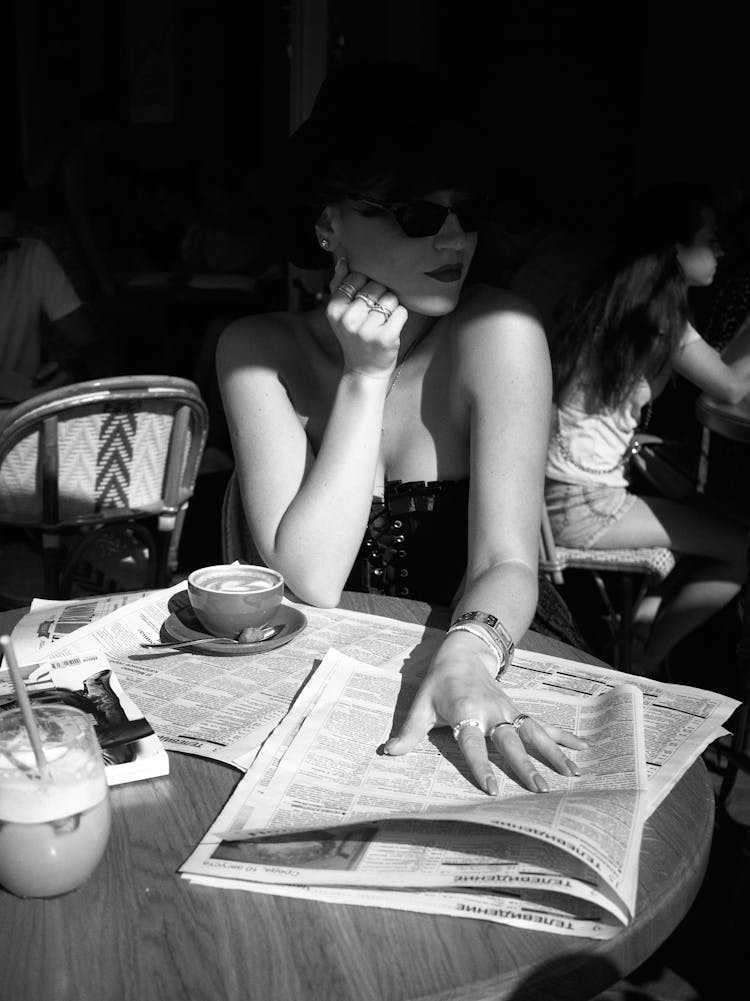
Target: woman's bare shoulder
(259,325)
(500,307)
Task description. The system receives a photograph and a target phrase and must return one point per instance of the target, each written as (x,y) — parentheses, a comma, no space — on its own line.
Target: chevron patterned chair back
(95,480)
(622,578)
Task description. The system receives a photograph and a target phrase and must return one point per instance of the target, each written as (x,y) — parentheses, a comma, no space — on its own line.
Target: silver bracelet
(495,629)
(470,627)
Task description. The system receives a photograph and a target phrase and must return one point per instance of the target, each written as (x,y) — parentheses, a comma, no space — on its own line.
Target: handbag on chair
(654,464)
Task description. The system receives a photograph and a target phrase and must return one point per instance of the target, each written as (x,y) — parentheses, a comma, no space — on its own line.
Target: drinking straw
(24,704)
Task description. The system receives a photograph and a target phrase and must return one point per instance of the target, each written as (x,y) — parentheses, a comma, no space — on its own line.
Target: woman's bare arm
(701,364)
(504,372)
(307,514)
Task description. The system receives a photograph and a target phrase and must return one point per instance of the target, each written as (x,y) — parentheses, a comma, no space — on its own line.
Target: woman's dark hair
(632,314)
(385,130)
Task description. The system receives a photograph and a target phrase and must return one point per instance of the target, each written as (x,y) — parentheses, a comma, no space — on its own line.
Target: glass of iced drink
(53,827)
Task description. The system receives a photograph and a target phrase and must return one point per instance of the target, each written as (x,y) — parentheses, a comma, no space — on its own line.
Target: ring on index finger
(348,290)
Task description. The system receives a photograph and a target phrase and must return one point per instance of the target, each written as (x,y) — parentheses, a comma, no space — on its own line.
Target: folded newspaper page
(680,721)
(330,811)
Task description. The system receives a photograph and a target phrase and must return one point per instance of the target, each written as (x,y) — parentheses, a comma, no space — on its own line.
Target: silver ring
(497,727)
(463,723)
(348,290)
(516,724)
(367,300)
(380,308)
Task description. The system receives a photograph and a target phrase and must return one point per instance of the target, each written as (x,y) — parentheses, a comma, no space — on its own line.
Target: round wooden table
(136,931)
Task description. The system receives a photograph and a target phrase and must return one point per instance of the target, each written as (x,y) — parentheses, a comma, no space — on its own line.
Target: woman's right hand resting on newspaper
(393,440)
(458,687)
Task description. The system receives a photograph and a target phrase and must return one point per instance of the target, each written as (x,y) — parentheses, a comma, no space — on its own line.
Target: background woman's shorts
(580,514)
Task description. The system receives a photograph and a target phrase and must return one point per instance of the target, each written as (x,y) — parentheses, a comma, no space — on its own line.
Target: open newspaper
(320,808)
(321,815)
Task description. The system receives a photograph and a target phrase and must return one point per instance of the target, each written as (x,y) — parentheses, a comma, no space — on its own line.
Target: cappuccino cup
(231,597)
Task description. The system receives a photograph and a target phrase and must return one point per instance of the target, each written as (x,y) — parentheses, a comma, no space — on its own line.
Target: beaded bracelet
(488,627)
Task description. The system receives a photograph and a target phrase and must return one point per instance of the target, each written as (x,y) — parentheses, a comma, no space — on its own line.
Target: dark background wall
(587,99)
(182,80)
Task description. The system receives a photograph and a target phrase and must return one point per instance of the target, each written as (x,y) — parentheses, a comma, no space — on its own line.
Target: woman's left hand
(458,687)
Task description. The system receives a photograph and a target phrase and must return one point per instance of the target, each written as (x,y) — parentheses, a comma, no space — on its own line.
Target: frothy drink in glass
(53,828)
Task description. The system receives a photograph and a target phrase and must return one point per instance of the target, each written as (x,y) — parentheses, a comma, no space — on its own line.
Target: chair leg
(165,558)
(625,625)
(51,564)
(620,607)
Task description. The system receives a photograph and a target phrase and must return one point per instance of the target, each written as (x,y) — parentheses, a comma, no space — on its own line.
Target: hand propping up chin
(367,320)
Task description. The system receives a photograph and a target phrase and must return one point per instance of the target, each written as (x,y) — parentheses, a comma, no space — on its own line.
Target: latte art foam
(236,582)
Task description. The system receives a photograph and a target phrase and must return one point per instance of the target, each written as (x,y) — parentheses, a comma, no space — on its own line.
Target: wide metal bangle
(494,628)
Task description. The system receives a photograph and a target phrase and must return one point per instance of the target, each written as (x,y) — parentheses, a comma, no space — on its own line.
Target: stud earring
(324,244)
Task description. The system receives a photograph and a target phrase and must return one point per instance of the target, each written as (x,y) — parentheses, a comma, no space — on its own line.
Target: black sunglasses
(420,218)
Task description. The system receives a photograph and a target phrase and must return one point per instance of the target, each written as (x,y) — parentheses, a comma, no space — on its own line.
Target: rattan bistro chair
(623,577)
(95,480)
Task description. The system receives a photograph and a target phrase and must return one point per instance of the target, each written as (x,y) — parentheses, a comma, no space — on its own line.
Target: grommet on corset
(378,571)
(397,524)
(398,539)
(402,553)
(403,573)
(404,592)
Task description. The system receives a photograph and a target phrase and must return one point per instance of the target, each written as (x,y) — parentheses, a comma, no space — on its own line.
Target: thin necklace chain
(409,351)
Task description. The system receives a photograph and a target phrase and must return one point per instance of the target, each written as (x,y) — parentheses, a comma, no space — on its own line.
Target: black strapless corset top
(416,546)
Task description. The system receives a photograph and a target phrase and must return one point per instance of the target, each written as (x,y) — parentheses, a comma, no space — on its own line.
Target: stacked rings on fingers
(348,290)
(367,300)
(516,724)
(380,308)
(463,723)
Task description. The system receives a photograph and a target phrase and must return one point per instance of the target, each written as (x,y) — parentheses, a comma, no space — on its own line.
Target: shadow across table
(136,930)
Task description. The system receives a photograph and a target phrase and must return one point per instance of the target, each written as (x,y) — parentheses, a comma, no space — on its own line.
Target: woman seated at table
(405,388)
(613,357)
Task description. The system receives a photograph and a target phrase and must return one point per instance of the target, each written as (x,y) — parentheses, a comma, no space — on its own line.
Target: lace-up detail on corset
(415,544)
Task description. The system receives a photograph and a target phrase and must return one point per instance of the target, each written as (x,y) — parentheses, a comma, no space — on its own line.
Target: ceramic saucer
(182,625)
